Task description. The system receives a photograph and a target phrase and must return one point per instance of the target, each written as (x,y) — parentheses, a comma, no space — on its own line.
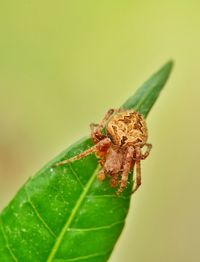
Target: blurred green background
(64,63)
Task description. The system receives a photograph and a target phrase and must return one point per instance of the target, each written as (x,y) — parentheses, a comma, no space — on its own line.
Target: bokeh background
(64,63)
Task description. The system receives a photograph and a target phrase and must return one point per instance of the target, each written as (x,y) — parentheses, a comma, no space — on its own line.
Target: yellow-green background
(64,63)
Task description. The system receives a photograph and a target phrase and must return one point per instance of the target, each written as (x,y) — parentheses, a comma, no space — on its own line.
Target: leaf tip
(168,65)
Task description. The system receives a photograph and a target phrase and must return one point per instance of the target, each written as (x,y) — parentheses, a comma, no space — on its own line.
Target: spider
(119,140)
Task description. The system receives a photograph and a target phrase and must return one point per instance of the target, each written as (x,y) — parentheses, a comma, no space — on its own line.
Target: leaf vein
(71,217)
(111,196)
(76,175)
(34,208)
(83,257)
(96,228)
(7,243)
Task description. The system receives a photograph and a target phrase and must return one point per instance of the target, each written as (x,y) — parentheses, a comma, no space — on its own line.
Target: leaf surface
(64,213)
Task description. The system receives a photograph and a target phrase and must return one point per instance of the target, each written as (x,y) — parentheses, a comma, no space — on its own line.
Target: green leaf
(146,95)
(65,213)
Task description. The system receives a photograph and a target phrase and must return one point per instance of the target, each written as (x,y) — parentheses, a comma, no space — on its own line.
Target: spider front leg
(145,155)
(128,164)
(138,169)
(96,138)
(97,129)
(100,149)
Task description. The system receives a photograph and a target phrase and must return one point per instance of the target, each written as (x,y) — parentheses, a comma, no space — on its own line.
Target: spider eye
(111,138)
(123,140)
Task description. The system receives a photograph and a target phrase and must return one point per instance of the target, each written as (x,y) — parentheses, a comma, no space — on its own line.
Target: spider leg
(138,169)
(145,155)
(81,155)
(114,182)
(93,128)
(100,148)
(97,130)
(126,169)
(101,175)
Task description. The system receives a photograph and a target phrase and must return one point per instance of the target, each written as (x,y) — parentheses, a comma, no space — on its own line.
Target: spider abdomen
(127,128)
(114,161)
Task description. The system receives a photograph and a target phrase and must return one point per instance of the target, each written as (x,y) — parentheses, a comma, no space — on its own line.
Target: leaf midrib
(144,97)
(72,215)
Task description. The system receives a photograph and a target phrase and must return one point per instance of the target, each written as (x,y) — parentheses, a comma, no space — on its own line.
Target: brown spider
(119,149)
